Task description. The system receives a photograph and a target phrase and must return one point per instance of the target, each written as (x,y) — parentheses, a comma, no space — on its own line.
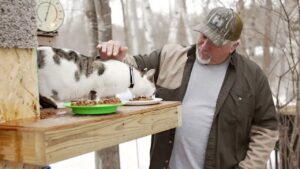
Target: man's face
(210,53)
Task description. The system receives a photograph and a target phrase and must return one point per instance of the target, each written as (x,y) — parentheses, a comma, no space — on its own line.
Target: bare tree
(102,31)
(133,26)
(241,10)
(267,36)
(147,19)
(104,20)
(125,23)
(289,141)
(92,17)
(174,25)
(298,89)
(185,20)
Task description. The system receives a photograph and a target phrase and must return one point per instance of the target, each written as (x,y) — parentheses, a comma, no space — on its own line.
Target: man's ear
(234,46)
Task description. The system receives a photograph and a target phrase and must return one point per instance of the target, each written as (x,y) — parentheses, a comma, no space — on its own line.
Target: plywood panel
(18,84)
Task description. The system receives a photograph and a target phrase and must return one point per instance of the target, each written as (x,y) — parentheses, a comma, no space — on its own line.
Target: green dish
(97,109)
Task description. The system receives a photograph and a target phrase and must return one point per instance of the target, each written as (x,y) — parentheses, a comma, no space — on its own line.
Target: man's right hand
(112,50)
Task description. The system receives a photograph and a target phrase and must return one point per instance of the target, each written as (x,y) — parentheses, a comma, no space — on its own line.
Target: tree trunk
(267,36)
(205,7)
(241,11)
(104,20)
(107,158)
(133,26)
(174,25)
(184,16)
(298,88)
(147,19)
(92,17)
(125,23)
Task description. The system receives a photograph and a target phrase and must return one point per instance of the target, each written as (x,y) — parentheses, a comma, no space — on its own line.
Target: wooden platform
(63,135)
(288,111)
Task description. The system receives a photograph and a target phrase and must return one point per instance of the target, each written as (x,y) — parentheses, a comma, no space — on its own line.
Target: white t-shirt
(198,109)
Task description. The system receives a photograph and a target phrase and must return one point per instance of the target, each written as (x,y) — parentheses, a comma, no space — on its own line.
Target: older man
(228,115)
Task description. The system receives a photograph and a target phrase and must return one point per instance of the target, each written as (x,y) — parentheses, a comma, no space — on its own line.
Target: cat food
(141,98)
(84,103)
(47,113)
(111,100)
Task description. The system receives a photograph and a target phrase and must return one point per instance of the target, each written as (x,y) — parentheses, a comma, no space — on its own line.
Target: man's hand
(111,50)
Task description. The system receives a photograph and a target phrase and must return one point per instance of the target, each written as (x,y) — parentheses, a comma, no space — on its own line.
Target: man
(228,115)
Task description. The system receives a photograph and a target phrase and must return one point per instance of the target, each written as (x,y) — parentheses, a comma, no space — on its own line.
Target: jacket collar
(131,75)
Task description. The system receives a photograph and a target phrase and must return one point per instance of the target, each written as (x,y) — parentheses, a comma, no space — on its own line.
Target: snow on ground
(133,155)
(86,161)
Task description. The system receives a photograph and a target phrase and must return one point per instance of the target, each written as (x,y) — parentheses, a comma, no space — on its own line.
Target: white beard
(200,59)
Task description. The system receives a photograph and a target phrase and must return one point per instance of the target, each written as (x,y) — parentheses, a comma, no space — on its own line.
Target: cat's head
(143,87)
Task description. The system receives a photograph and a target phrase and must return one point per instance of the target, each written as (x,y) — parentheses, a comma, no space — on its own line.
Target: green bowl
(97,109)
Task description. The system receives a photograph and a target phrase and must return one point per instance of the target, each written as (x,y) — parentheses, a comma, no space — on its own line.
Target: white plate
(144,102)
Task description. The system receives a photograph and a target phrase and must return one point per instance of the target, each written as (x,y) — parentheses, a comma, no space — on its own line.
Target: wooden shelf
(288,110)
(47,34)
(64,135)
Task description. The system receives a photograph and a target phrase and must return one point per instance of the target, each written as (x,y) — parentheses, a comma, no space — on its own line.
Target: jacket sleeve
(264,131)
(143,62)
(262,142)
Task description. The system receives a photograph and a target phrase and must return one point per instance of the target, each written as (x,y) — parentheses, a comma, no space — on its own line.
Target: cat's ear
(148,74)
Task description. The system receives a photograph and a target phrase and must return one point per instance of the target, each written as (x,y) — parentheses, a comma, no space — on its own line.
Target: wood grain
(288,110)
(18,84)
(64,135)
(12,165)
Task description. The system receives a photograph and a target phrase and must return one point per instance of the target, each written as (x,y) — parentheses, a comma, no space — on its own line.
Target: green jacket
(245,126)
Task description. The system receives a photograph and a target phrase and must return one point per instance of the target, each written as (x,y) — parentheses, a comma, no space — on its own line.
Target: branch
(293,68)
(273,67)
(289,31)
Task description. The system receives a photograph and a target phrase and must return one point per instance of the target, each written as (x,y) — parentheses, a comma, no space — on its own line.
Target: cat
(65,75)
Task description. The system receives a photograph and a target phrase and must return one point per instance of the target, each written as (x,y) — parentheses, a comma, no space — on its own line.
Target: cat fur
(65,75)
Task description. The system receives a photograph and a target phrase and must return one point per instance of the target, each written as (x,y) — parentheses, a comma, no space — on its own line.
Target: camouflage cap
(220,25)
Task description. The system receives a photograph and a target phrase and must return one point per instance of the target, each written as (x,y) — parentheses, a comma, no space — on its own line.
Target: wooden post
(108,158)
(18,67)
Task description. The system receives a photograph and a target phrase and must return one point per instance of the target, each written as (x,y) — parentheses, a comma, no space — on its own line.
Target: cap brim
(216,38)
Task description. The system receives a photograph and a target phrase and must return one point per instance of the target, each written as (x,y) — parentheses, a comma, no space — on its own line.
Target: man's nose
(205,43)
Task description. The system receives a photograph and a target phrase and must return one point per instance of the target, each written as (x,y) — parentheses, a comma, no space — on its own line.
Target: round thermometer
(50,15)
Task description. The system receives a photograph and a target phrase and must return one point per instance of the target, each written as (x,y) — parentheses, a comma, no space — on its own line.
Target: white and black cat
(65,75)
